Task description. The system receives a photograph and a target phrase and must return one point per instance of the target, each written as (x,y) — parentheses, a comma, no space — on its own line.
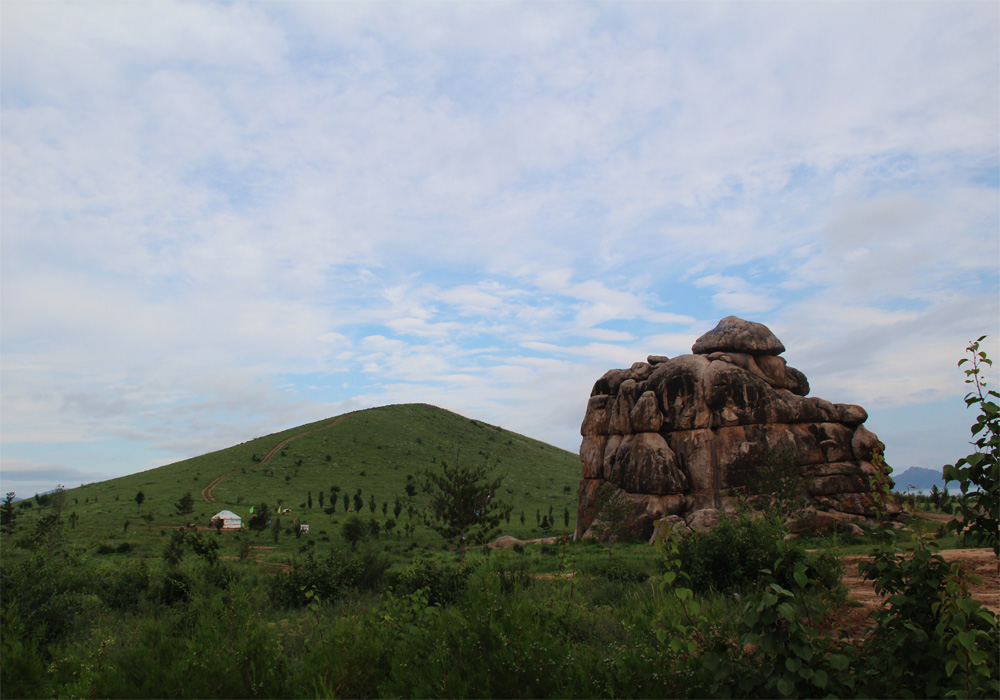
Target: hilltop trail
(206,492)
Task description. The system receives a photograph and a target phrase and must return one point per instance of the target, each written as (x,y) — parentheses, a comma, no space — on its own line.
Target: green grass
(376,450)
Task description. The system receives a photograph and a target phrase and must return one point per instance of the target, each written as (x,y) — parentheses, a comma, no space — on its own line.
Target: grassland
(377,451)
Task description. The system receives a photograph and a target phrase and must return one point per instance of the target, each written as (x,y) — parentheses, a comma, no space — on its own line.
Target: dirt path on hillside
(206,492)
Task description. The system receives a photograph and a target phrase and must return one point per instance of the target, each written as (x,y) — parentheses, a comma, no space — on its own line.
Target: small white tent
(230,521)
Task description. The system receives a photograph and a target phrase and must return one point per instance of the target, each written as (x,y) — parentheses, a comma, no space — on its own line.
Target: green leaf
(839,661)
(820,679)
(785,687)
(949,667)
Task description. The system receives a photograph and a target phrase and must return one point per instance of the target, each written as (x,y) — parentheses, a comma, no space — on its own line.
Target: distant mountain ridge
(918,479)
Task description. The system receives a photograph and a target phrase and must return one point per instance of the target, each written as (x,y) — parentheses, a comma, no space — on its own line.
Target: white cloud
(209,209)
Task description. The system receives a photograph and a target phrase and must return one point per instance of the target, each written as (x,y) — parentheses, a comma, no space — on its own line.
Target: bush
(730,556)
(121,589)
(175,588)
(442,583)
(623,572)
(360,569)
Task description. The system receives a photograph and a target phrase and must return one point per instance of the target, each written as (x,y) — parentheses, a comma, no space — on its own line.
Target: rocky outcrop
(682,436)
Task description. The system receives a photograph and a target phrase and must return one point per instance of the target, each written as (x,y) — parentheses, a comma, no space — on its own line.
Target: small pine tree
(185,506)
(139,498)
(309,500)
(7,513)
(464,503)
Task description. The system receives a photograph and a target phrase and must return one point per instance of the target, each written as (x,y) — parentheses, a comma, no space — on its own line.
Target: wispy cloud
(224,219)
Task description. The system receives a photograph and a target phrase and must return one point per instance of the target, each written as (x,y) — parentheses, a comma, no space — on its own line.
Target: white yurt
(230,521)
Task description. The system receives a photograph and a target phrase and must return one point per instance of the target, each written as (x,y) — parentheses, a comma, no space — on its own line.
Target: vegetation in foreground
(735,612)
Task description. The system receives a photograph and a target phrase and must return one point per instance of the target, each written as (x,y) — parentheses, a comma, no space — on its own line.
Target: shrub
(175,587)
(122,588)
(730,556)
(361,569)
(442,583)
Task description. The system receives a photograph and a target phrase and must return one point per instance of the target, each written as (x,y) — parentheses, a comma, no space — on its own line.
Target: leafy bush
(930,629)
(175,587)
(442,583)
(980,471)
(730,556)
(361,569)
(122,588)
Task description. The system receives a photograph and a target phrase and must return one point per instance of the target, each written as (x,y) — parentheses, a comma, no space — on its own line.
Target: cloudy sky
(224,219)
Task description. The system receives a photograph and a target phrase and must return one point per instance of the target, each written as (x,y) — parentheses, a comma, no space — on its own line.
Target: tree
(309,500)
(463,502)
(185,506)
(359,503)
(321,495)
(614,510)
(206,548)
(7,513)
(173,552)
(354,530)
(57,499)
(347,502)
(260,519)
(139,498)
(371,504)
(980,471)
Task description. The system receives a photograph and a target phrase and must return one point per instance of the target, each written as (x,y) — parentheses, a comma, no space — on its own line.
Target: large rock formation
(682,436)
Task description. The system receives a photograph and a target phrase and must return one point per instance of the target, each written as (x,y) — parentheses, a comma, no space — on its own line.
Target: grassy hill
(377,451)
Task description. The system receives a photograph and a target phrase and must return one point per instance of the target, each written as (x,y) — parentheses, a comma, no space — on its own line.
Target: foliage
(173,551)
(441,583)
(980,508)
(260,519)
(776,481)
(8,515)
(930,628)
(185,506)
(613,509)
(328,580)
(464,502)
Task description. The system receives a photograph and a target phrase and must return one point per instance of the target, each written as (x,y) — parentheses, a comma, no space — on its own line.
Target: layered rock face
(681,436)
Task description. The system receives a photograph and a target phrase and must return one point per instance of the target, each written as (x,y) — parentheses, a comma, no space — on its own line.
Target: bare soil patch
(981,562)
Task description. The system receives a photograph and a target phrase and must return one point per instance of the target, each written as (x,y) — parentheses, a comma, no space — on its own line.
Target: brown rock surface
(684,434)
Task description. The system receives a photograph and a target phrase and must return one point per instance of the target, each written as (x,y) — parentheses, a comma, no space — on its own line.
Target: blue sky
(224,219)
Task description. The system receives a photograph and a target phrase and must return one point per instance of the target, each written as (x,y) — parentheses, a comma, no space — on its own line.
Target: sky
(223,219)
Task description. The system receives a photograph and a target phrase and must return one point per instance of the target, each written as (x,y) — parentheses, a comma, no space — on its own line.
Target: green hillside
(379,451)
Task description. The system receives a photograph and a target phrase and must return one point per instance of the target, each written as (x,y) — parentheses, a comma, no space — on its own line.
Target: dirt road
(206,492)
(981,562)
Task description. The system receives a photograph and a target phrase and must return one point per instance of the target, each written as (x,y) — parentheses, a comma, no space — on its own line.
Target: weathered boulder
(681,436)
